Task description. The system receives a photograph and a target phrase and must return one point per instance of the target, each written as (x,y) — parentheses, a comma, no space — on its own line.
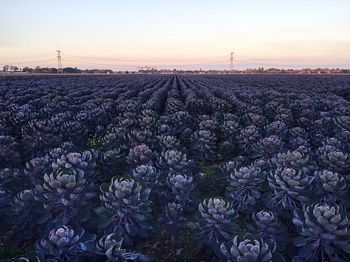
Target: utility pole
(231,61)
(59,62)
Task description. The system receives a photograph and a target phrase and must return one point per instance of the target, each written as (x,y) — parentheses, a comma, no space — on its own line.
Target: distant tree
(37,69)
(27,69)
(5,68)
(53,70)
(71,70)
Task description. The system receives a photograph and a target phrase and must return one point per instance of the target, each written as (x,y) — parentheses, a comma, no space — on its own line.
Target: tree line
(53,70)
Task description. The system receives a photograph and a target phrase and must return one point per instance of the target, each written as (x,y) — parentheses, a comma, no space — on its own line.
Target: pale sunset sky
(187,34)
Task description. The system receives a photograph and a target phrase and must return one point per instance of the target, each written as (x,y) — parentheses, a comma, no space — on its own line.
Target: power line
(25,57)
(95,63)
(137,65)
(143,60)
(87,60)
(136,62)
(33,62)
(127,62)
(211,63)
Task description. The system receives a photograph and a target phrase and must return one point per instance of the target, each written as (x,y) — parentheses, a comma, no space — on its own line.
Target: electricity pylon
(59,62)
(231,61)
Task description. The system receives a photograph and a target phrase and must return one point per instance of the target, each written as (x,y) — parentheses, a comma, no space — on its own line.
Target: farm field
(175,168)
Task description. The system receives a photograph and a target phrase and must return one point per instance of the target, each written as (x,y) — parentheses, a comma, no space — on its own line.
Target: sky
(186,34)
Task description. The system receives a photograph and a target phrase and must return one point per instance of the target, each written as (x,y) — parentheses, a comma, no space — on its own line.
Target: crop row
(142,168)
